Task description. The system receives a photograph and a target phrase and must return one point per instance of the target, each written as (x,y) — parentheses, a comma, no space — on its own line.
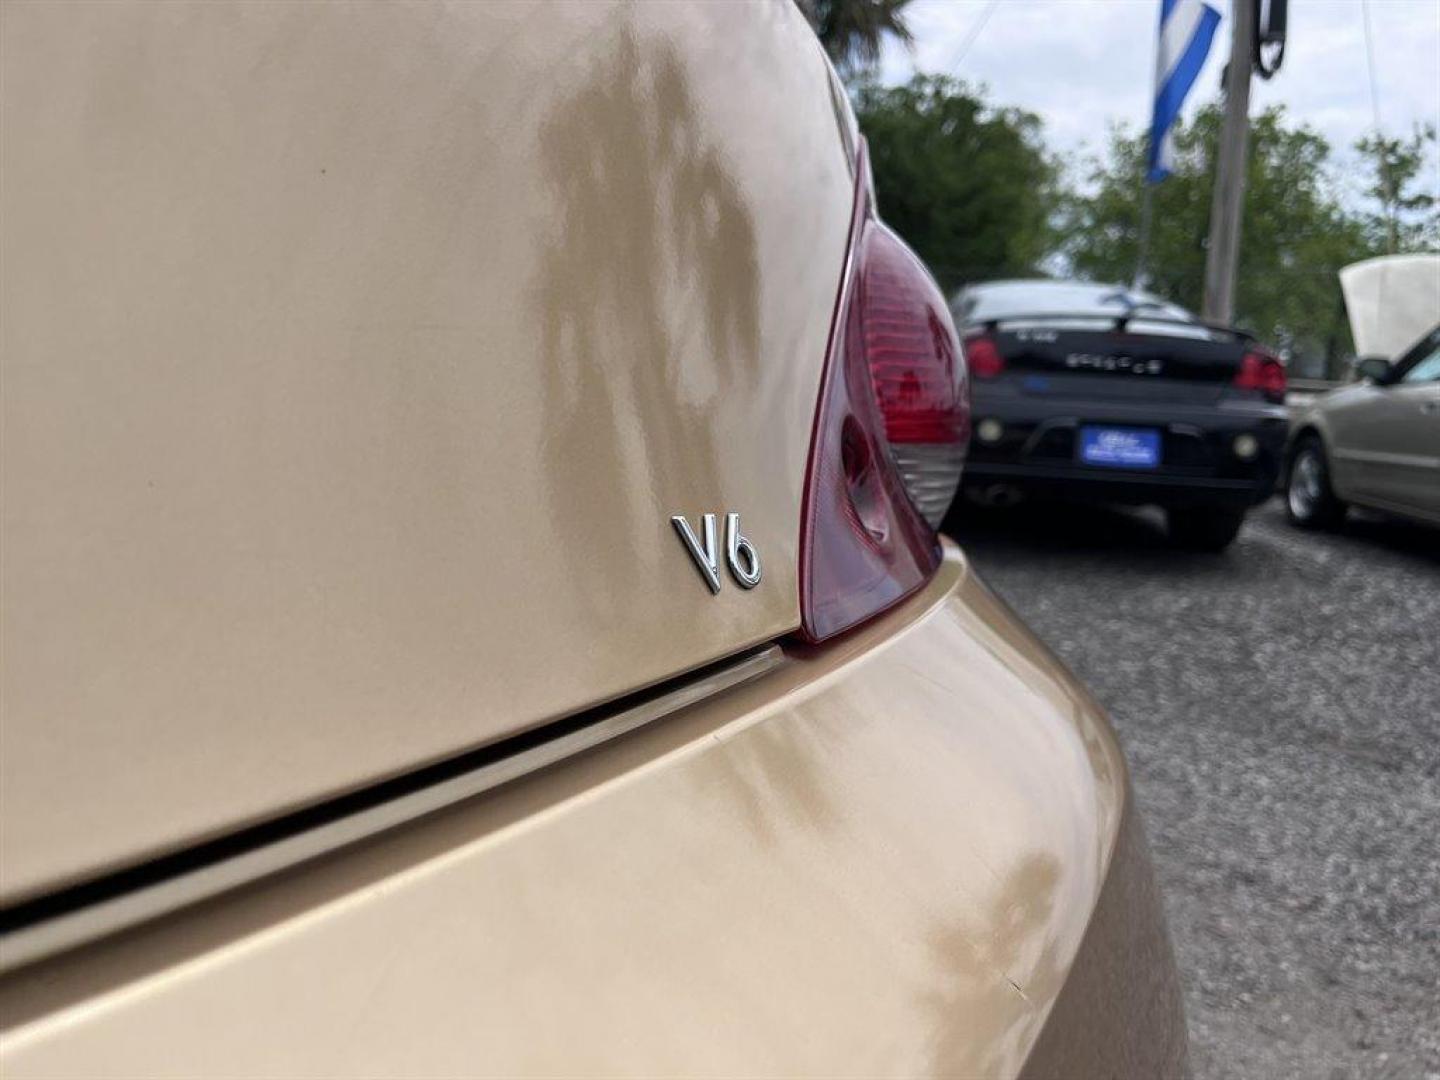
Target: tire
(1203,528)
(1310,501)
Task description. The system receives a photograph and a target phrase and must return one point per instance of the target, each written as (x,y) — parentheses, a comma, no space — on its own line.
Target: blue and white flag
(1187,27)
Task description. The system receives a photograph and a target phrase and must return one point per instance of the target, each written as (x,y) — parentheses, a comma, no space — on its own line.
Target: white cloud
(1085,64)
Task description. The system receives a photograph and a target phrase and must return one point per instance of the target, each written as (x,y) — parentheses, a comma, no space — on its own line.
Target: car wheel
(1310,501)
(1203,528)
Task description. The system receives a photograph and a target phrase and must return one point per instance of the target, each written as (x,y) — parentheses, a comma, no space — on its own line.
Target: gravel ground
(1280,706)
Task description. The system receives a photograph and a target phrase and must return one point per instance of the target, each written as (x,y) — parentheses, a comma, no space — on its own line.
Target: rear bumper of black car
(1038,451)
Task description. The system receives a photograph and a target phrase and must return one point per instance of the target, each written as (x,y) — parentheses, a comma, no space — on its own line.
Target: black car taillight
(1263,372)
(890,435)
(983,357)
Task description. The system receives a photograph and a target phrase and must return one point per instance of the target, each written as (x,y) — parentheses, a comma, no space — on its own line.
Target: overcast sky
(1082,64)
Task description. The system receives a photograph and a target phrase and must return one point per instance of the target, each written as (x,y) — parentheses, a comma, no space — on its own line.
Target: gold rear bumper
(907,853)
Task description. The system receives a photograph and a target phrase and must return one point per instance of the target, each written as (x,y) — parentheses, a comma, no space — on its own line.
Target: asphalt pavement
(1280,708)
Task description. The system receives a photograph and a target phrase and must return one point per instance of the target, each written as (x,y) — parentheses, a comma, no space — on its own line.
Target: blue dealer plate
(1120,447)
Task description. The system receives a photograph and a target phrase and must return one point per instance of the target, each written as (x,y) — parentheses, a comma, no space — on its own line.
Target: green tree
(1409,216)
(852,31)
(1295,237)
(969,186)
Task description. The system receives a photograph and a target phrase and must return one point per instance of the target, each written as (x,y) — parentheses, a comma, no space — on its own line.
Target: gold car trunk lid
(356,360)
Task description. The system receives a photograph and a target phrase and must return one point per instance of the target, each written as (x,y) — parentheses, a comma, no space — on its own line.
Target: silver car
(1375,444)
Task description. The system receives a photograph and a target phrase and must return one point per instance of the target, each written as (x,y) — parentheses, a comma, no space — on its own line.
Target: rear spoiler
(1119,322)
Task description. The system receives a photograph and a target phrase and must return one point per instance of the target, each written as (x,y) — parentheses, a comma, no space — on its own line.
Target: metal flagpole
(1187,27)
(1142,259)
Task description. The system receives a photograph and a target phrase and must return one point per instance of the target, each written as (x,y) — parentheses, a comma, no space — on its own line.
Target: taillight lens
(916,369)
(1263,372)
(982,357)
(890,436)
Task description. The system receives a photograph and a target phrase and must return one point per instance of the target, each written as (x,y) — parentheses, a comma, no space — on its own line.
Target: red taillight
(916,369)
(915,363)
(1263,372)
(890,436)
(982,357)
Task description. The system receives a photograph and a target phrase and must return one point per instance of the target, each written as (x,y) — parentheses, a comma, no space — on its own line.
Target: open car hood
(1391,301)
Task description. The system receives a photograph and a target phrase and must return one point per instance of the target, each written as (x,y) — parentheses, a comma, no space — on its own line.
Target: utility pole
(1223,254)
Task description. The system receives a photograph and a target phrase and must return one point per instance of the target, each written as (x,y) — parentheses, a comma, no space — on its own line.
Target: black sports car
(1101,393)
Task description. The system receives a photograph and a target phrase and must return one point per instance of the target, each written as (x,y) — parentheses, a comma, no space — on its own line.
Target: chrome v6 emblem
(740,553)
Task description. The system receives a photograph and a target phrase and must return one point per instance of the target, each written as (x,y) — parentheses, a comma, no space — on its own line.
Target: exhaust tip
(997,496)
